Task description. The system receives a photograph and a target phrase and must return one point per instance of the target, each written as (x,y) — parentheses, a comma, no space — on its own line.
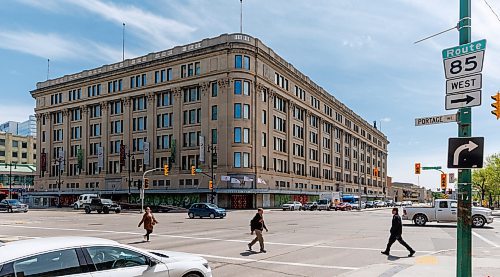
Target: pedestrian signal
(146,183)
(443,181)
(417,168)
(193,170)
(165,170)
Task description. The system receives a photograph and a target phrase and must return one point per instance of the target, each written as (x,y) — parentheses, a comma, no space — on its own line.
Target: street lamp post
(212,150)
(10,176)
(58,162)
(130,157)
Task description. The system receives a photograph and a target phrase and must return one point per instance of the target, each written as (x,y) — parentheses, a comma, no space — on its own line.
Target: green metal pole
(464,236)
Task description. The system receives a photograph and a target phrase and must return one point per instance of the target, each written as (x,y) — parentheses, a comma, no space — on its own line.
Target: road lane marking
(426,260)
(485,239)
(208,239)
(276,262)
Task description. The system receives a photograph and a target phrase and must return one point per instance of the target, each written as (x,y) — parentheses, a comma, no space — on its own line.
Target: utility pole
(212,149)
(130,157)
(464,239)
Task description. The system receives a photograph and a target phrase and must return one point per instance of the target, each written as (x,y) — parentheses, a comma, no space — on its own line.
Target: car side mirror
(153,262)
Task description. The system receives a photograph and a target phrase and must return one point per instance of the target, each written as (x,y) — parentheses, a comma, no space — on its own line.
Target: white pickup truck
(445,210)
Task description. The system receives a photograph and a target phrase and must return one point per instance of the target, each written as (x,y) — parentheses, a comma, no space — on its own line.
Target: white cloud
(386,119)
(16,112)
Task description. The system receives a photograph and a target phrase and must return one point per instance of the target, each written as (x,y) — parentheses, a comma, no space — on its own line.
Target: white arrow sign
(462,100)
(470,146)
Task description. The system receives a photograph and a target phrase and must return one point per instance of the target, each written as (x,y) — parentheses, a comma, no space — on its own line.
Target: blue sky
(361,51)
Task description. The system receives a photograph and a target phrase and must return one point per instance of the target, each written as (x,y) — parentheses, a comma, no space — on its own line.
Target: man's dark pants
(394,238)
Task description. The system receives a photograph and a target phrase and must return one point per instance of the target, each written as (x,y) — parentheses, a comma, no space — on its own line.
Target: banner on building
(202,149)
(100,157)
(225,178)
(247,179)
(235,181)
(122,155)
(146,153)
(261,181)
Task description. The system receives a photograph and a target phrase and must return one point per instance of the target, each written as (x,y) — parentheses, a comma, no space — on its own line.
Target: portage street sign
(466,83)
(464,65)
(464,49)
(462,100)
(431,168)
(465,152)
(435,119)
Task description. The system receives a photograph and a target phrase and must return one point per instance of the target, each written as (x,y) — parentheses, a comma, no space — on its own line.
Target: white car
(84,199)
(292,205)
(92,257)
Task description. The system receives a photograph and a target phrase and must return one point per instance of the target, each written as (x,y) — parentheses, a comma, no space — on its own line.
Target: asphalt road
(299,243)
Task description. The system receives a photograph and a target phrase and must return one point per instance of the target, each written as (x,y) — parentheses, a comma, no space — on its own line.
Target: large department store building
(274,135)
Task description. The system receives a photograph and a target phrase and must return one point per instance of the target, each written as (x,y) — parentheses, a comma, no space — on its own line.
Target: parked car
(293,205)
(325,204)
(380,204)
(102,206)
(343,206)
(84,199)
(87,257)
(445,210)
(370,204)
(13,205)
(355,205)
(398,204)
(389,203)
(310,206)
(206,210)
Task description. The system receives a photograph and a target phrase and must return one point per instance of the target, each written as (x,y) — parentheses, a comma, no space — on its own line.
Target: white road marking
(276,262)
(485,239)
(209,239)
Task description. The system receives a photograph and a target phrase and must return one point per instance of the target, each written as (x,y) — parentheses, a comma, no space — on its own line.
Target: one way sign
(465,152)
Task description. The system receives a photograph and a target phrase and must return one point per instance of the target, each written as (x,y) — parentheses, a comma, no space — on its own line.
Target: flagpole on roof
(123,42)
(241,16)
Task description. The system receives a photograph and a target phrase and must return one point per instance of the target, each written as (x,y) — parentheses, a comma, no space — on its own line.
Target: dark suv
(102,206)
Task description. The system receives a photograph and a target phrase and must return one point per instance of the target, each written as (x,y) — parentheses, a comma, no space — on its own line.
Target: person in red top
(149,221)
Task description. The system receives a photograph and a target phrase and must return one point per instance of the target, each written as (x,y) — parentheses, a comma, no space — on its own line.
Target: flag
(225,178)
(261,181)
(247,179)
(235,181)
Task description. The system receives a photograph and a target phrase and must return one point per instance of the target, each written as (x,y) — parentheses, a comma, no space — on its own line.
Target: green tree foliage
(486,180)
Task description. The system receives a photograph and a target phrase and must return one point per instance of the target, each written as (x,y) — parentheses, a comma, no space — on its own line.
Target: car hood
(169,256)
(481,209)
(221,210)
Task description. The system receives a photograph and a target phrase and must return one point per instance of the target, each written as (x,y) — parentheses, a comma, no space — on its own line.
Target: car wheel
(212,215)
(99,211)
(478,221)
(420,220)
(105,210)
(292,208)
(192,274)
(191,215)
(221,217)
(75,206)
(9,210)
(118,211)
(25,211)
(87,210)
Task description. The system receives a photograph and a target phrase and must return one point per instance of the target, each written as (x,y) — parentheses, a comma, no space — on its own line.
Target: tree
(487,179)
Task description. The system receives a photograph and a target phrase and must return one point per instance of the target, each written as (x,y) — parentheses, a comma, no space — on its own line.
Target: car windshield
(13,201)
(106,201)
(309,203)
(212,206)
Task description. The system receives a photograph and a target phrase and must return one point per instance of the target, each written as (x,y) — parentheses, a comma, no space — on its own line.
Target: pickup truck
(445,210)
(102,206)
(324,204)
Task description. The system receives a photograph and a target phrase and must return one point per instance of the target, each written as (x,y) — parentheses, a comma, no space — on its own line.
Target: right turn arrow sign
(465,152)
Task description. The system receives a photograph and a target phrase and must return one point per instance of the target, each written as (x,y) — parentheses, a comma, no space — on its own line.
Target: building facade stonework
(274,135)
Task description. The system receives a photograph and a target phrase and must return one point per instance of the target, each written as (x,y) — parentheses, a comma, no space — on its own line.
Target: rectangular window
(264,140)
(214,89)
(237,110)
(143,79)
(237,87)
(246,63)
(238,62)
(190,69)
(169,74)
(246,111)
(246,160)
(264,117)
(197,68)
(246,135)
(246,88)
(214,112)
(183,71)
(214,136)
(237,159)
(132,82)
(237,135)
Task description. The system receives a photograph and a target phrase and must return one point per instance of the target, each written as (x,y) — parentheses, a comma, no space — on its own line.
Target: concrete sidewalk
(485,262)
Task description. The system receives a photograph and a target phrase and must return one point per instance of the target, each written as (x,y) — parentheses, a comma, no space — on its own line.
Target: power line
(498,18)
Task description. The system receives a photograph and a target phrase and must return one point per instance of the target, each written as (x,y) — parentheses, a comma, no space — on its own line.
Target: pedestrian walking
(396,231)
(257,225)
(149,221)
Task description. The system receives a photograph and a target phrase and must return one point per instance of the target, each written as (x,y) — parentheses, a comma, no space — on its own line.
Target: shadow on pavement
(137,242)
(443,226)
(248,253)
(395,258)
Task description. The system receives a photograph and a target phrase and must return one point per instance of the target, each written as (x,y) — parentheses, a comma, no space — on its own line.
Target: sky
(361,51)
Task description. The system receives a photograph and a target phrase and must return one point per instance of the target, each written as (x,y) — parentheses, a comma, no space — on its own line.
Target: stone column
(151,128)
(105,137)
(85,137)
(177,111)
(225,125)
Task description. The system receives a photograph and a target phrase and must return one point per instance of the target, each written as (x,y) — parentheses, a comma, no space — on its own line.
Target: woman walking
(257,225)
(149,221)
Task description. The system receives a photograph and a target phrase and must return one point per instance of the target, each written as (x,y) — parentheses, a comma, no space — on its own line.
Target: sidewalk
(485,262)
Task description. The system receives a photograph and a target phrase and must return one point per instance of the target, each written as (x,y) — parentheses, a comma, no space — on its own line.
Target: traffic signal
(417,168)
(146,183)
(165,170)
(193,170)
(210,185)
(139,184)
(496,105)
(375,171)
(443,181)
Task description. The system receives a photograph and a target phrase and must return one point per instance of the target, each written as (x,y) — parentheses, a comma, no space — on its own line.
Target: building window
(192,94)
(237,110)
(264,117)
(246,88)
(197,68)
(238,61)
(246,111)
(264,140)
(214,136)
(139,103)
(116,107)
(237,135)
(246,62)
(246,135)
(214,89)
(237,159)
(169,74)
(164,99)
(214,112)
(237,87)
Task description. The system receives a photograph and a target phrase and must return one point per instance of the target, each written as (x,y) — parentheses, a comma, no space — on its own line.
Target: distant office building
(17,149)
(409,192)
(26,128)
(228,105)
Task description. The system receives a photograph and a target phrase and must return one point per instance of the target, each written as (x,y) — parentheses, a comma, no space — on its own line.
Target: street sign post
(466,83)
(435,119)
(465,152)
(462,100)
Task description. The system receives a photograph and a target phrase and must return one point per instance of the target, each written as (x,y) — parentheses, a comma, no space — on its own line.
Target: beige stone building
(275,134)
(409,192)
(17,149)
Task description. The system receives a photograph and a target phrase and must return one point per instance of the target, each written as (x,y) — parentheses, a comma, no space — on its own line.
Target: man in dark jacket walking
(396,231)
(257,225)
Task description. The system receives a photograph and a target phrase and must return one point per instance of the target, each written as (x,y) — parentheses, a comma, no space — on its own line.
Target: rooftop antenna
(241,16)
(48,68)
(123,42)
